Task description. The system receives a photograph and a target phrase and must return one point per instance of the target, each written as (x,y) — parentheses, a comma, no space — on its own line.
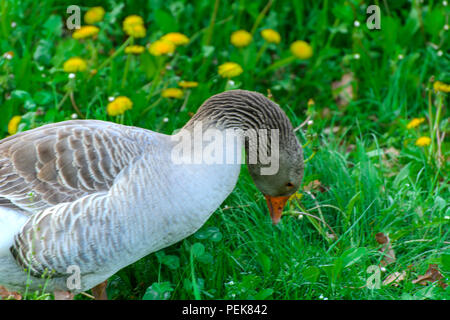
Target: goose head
(279,185)
(278,174)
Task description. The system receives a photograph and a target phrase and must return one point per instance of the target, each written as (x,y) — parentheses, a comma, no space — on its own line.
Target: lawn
(371,220)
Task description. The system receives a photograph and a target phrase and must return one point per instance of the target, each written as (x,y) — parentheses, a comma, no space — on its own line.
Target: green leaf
(207,51)
(201,235)
(158,291)
(43,52)
(402,175)
(265,262)
(173,262)
(353,255)
(43,97)
(263,294)
(53,26)
(434,21)
(50,115)
(148,65)
(20,94)
(440,202)
(445,262)
(197,249)
(311,273)
(351,204)
(205,258)
(165,21)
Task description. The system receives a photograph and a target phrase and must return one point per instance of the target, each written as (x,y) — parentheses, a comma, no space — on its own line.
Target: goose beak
(276,206)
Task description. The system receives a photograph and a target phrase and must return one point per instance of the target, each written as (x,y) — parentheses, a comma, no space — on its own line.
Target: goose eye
(289,185)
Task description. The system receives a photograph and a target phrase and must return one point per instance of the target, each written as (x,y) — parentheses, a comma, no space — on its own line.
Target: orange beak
(276,206)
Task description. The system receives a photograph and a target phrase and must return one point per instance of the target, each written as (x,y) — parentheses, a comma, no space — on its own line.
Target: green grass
(373,178)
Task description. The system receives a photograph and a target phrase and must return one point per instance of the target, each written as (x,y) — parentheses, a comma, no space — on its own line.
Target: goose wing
(64,161)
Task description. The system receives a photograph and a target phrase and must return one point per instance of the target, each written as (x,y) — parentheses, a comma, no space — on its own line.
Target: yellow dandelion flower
(134,49)
(161,47)
(132,20)
(118,106)
(113,109)
(85,32)
(74,64)
(94,15)
(188,84)
(176,38)
(174,93)
(14,124)
(441,86)
(423,142)
(137,31)
(414,123)
(241,38)
(230,70)
(271,36)
(134,26)
(311,102)
(301,49)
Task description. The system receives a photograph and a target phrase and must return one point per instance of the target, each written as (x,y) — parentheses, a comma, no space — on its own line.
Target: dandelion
(85,32)
(134,49)
(301,49)
(161,47)
(94,15)
(118,106)
(271,36)
(176,38)
(74,64)
(14,124)
(188,84)
(441,86)
(415,123)
(174,93)
(423,142)
(137,31)
(230,70)
(132,21)
(134,26)
(241,38)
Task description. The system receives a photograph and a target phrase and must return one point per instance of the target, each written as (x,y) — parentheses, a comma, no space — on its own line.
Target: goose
(82,199)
